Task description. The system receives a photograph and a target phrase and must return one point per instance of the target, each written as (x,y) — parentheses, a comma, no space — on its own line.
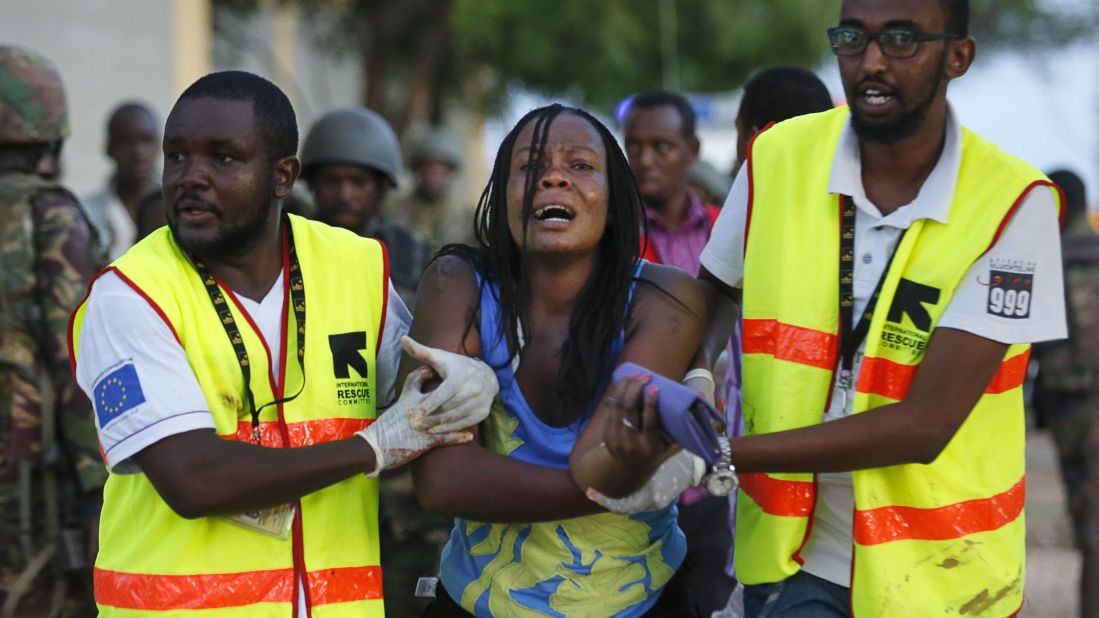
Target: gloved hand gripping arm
(395,437)
(420,421)
(464,397)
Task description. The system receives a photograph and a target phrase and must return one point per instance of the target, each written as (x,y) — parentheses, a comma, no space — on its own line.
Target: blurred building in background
(109,51)
(114,50)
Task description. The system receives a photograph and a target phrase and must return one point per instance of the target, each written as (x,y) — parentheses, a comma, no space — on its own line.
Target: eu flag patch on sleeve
(117,392)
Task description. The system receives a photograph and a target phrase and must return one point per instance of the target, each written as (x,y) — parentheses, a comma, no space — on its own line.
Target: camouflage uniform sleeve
(64,265)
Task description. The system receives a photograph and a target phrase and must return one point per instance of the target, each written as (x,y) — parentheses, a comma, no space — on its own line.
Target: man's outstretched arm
(199,474)
(955,373)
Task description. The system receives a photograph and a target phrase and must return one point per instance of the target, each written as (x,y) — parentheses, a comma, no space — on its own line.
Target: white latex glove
(677,473)
(393,436)
(701,381)
(465,395)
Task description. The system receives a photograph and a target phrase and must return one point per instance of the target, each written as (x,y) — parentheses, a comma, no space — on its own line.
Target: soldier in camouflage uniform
(434,207)
(1063,390)
(350,160)
(51,477)
(1066,392)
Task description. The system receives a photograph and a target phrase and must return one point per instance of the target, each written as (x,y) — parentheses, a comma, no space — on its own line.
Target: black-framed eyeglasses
(894,42)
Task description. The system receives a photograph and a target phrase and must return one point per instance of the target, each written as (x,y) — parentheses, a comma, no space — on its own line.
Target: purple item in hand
(685,416)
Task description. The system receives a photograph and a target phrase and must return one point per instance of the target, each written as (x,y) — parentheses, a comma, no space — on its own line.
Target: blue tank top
(599,565)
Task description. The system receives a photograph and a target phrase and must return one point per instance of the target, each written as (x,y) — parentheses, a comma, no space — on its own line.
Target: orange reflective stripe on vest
(901,523)
(787,342)
(1012,374)
(343,585)
(304,433)
(778,496)
(886,378)
(220,590)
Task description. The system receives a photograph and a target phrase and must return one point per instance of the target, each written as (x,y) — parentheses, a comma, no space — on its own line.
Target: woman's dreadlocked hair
(603,305)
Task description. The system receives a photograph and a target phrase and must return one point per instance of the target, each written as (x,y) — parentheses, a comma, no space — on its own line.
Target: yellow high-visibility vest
(151,560)
(940,539)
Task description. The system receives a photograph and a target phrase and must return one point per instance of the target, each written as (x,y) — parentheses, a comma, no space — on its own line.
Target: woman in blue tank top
(554,298)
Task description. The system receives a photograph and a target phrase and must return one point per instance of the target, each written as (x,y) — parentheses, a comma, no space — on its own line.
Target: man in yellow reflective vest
(892,268)
(243,439)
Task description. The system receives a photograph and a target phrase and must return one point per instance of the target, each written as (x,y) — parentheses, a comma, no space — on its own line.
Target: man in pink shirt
(661,144)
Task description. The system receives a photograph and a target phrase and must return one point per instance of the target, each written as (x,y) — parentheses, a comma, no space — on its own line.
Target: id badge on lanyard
(852,334)
(275,521)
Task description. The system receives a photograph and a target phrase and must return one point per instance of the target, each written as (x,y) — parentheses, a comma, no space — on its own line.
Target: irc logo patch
(347,356)
(911,299)
(116,393)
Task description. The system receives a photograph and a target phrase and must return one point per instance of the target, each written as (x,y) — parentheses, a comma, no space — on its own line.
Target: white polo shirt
(1030,243)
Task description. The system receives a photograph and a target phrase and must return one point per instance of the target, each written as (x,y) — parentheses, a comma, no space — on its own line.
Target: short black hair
(778,93)
(273,111)
(1076,201)
(660,98)
(957,16)
(124,109)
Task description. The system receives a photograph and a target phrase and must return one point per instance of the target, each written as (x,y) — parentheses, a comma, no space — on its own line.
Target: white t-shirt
(125,340)
(1030,243)
(111,220)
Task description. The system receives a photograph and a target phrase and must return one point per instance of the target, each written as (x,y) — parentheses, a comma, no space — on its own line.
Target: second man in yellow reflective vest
(893,268)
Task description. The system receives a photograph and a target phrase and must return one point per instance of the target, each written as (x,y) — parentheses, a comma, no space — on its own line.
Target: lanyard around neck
(297,300)
(852,337)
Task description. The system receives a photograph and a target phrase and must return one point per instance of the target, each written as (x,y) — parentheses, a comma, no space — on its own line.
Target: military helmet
(356,136)
(32,99)
(436,144)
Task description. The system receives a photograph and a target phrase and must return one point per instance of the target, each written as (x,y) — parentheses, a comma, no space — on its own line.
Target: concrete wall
(114,50)
(109,51)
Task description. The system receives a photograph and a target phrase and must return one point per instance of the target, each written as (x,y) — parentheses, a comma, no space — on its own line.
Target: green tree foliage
(599,52)
(418,54)
(596,52)
(1031,24)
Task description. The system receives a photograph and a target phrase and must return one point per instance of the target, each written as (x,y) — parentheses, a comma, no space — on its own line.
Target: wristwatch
(722,480)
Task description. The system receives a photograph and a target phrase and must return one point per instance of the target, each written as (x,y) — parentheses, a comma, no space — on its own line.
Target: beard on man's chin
(894,131)
(228,241)
(904,125)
